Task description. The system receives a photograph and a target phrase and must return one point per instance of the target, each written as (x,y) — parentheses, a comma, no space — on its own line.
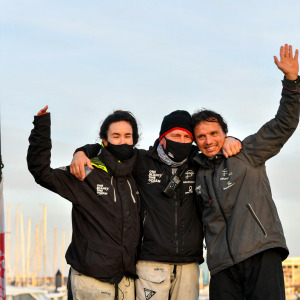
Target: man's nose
(208,140)
(182,139)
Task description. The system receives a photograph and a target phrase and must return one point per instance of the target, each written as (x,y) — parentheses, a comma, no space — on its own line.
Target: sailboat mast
(45,243)
(63,256)
(28,250)
(16,268)
(22,248)
(54,254)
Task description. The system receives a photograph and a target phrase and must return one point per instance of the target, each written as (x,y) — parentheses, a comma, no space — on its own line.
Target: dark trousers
(259,277)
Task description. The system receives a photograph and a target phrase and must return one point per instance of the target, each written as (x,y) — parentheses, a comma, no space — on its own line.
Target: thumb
(225,153)
(276,61)
(89,164)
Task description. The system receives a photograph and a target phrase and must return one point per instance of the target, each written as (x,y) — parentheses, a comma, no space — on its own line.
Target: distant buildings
(291,270)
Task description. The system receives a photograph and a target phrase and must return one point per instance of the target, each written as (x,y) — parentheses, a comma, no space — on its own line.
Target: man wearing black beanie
(171,241)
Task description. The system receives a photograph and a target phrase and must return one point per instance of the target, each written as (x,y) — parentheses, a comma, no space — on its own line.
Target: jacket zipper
(131,191)
(176,221)
(144,221)
(222,212)
(256,219)
(204,236)
(111,182)
(176,224)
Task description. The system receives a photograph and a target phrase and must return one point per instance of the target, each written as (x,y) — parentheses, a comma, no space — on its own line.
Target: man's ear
(163,142)
(105,143)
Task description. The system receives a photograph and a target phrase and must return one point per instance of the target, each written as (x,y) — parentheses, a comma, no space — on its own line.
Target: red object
(2,246)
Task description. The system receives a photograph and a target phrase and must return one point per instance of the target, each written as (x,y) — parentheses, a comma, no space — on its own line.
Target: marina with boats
(32,273)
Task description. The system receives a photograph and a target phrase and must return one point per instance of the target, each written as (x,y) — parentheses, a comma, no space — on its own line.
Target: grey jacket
(238,212)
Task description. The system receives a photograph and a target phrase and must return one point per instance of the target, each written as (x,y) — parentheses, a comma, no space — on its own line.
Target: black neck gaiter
(121,152)
(177,151)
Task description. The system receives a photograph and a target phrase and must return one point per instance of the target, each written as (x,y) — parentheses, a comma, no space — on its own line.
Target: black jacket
(239,213)
(171,229)
(106,208)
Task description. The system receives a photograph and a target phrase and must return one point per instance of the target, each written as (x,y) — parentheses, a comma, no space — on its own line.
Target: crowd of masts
(34,267)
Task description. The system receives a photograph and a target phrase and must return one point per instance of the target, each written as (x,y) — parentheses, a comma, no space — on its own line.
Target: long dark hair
(117,116)
(205,115)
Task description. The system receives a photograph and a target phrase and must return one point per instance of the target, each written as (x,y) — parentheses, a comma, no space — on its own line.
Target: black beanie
(178,119)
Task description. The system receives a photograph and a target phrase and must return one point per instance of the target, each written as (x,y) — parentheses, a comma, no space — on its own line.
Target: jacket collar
(153,152)
(206,162)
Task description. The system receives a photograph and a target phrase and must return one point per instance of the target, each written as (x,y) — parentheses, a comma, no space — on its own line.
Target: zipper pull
(204,233)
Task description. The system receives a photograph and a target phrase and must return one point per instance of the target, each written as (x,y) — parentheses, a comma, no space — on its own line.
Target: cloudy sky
(85,59)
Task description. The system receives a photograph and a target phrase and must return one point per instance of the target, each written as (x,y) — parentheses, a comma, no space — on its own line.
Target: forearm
(38,161)
(90,150)
(39,150)
(268,141)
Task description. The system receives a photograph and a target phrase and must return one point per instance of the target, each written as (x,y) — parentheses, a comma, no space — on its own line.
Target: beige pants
(159,280)
(88,288)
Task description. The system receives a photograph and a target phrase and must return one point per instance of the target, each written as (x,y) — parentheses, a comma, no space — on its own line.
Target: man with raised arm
(105,208)
(243,233)
(171,242)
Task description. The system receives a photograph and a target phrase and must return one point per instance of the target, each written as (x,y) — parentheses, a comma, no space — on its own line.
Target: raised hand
(288,64)
(43,111)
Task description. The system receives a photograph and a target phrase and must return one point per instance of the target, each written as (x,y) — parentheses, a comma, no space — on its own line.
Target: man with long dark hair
(106,207)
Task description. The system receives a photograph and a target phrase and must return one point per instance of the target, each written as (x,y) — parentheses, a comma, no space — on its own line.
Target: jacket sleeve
(270,138)
(90,150)
(59,180)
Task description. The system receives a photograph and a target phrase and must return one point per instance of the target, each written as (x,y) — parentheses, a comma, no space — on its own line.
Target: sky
(86,59)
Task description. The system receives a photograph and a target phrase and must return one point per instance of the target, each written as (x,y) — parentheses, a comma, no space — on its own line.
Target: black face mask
(177,151)
(120,152)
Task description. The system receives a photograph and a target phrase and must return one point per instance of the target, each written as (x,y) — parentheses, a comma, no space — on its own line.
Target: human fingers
(75,169)
(276,61)
(296,54)
(291,51)
(286,50)
(89,164)
(225,153)
(81,171)
(43,111)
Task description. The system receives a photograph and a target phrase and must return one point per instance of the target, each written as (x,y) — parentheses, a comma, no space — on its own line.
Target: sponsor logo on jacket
(102,190)
(226,178)
(190,190)
(189,173)
(198,189)
(153,177)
